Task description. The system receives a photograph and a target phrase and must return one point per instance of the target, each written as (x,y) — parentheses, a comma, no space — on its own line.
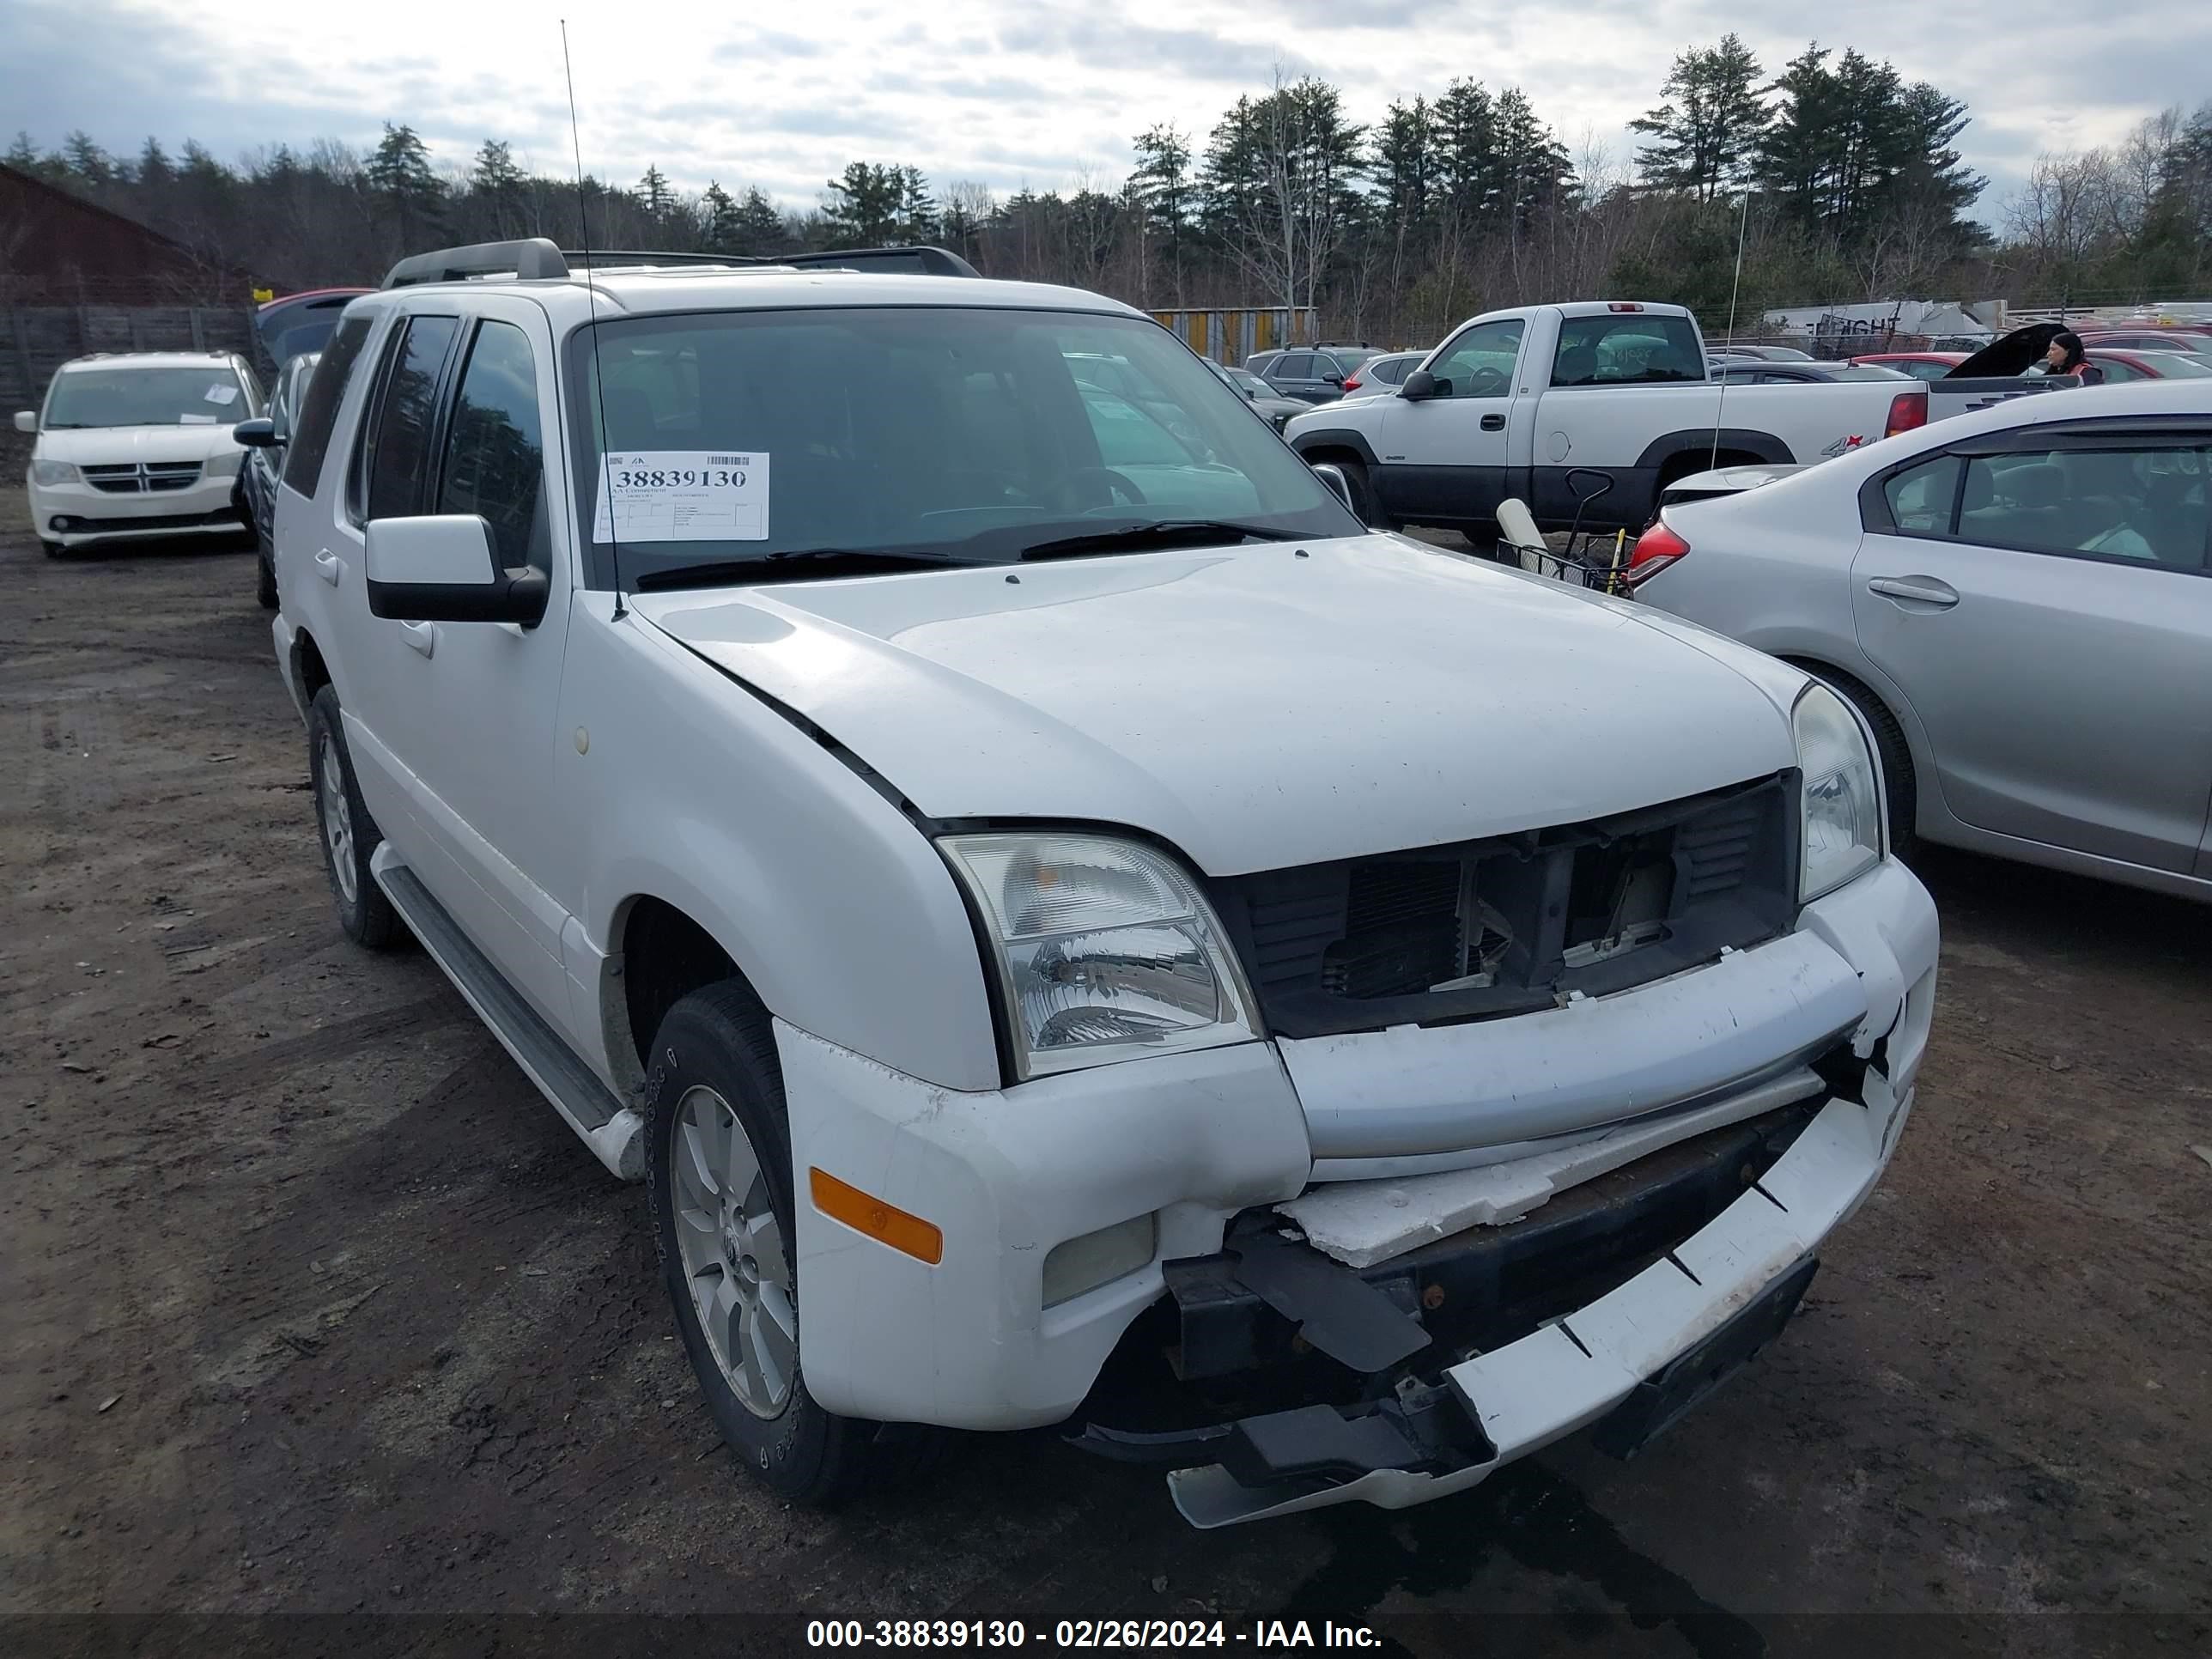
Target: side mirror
(1333,378)
(1419,385)
(442,568)
(1333,479)
(256,435)
(27,420)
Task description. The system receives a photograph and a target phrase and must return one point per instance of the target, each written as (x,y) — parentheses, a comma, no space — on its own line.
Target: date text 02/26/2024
(1073,1635)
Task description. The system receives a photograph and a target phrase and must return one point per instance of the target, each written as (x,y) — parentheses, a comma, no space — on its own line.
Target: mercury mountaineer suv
(1071,926)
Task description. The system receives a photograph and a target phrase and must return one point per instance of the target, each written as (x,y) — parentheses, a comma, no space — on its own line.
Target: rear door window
(495,461)
(395,464)
(318,411)
(2145,504)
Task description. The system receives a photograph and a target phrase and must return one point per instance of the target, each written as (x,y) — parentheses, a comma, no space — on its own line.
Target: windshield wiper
(1159,532)
(771,566)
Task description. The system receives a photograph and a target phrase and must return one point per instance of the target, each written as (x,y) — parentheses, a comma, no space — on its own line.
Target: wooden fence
(36,340)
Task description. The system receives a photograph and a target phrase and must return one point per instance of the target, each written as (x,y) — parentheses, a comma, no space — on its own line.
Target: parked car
(1920,365)
(2018,601)
(1380,376)
(1257,392)
(1019,903)
(297,322)
(1313,375)
(1763,373)
(2120,367)
(137,444)
(258,478)
(1546,403)
(1766,354)
(2196,341)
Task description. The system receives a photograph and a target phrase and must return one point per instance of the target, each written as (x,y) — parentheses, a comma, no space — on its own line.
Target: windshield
(146,396)
(940,433)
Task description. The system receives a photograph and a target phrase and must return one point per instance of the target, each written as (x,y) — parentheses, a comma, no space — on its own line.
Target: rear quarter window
(318,411)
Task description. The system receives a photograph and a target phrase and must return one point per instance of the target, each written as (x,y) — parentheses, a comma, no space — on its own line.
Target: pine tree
(718,218)
(399,176)
(864,205)
(917,213)
(154,168)
(88,164)
(759,228)
(655,196)
(1405,165)
(1708,131)
(1530,170)
(22,154)
(1466,144)
(1167,194)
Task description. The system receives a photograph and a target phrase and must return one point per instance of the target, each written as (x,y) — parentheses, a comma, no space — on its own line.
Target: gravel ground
(313,1307)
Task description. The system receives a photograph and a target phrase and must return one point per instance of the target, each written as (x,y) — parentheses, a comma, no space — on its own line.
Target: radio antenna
(1735,288)
(603,492)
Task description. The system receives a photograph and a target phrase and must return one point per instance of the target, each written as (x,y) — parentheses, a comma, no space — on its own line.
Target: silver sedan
(2020,603)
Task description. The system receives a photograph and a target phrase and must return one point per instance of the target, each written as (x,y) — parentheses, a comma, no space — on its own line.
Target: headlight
(225,465)
(1842,798)
(53,472)
(1106,949)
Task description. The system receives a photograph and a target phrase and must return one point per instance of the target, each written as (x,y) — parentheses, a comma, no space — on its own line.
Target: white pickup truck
(1602,400)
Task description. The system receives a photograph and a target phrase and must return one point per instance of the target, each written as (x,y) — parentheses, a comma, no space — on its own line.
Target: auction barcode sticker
(681,495)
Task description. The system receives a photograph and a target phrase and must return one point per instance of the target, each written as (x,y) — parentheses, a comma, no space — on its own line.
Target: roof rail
(532,257)
(918,261)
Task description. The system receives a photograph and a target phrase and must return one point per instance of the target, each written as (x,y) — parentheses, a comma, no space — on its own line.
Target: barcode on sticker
(729,461)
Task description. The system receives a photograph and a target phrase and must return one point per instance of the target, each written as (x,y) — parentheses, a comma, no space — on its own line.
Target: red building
(58,249)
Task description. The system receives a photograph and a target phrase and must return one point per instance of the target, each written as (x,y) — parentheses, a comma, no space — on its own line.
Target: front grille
(72,525)
(1514,923)
(136,478)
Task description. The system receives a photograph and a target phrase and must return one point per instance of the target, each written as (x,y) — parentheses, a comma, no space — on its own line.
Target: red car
(2118,366)
(1920,365)
(2195,341)
(2139,365)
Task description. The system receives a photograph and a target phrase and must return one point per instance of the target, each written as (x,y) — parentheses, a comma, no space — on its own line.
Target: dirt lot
(312,1306)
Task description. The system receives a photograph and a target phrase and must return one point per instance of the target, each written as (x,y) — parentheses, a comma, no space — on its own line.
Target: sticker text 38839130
(683,496)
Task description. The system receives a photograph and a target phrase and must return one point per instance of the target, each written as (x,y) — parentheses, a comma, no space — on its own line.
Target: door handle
(1494,423)
(328,565)
(1916,590)
(421,637)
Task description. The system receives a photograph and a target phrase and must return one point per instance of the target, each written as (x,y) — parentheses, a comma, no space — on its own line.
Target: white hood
(1253,708)
(116,446)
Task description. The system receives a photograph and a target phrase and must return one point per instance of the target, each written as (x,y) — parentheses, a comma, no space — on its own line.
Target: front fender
(1334,437)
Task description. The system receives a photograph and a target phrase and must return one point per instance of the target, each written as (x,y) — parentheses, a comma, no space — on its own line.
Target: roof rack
(917,261)
(534,258)
(531,258)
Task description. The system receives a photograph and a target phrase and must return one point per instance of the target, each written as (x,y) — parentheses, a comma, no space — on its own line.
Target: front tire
(349,835)
(720,1172)
(1365,503)
(52,549)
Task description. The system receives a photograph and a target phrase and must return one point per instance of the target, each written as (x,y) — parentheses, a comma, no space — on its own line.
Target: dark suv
(1314,374)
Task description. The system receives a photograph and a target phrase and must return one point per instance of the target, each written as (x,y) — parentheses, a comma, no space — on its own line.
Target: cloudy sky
(1043,93)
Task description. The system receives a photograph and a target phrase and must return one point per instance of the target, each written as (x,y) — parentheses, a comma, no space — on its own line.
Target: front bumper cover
(1648,1349)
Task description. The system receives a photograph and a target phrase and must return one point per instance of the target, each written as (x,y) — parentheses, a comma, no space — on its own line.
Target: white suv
(138,444)
(1049,903)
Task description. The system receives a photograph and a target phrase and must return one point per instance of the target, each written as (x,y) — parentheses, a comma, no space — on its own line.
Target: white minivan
(1063,919)
(137,445)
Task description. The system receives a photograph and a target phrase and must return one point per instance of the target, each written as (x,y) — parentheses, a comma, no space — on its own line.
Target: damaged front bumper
(1633,1358)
